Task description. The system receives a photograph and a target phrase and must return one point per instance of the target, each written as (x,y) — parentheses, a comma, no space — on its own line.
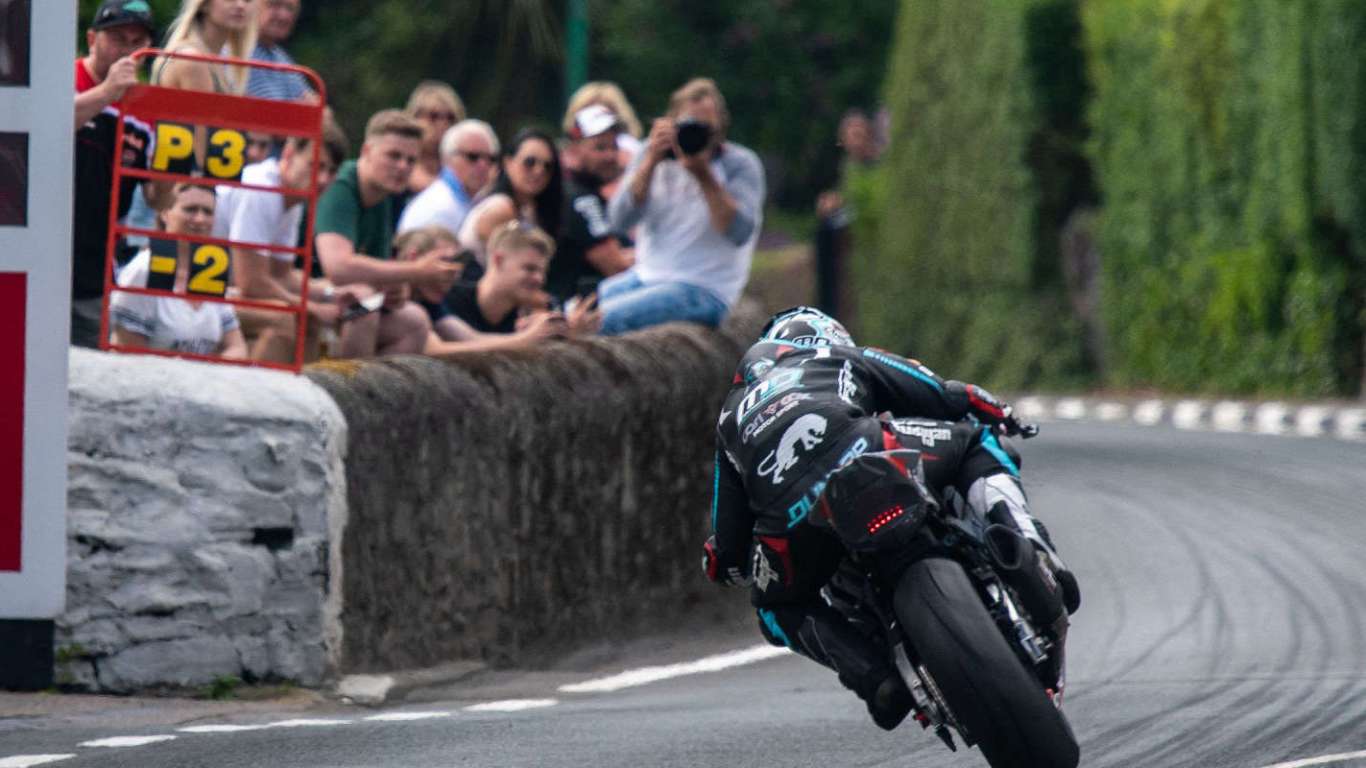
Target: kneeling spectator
(157,322)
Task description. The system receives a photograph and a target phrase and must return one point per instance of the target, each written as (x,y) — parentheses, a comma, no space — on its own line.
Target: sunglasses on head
(475,157)
(530,163)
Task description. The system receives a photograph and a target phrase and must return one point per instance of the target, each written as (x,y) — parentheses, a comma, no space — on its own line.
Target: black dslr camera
(693,137)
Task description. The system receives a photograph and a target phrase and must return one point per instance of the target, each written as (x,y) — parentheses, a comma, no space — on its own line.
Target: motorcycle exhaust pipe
(1021,568)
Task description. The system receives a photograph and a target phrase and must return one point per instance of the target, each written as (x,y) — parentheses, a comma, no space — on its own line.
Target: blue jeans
(629,304)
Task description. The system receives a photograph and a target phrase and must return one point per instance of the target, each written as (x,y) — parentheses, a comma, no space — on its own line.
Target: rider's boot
(823,635)
(1001,500)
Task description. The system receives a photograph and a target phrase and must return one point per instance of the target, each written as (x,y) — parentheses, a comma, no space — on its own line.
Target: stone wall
(199,504)
(507,504)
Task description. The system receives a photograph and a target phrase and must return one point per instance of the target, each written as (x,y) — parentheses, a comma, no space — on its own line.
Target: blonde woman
(215,28)
(437,107)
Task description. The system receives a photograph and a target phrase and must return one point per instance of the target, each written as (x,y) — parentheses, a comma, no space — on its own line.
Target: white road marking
(308,723)
(1071,408)
(1310,420)
(1228,416)
(1149,412)
(1323,760)
(645,675)
(1111,411)
(1271,418)
(512,705)
(1033,408)
(1187,414)
(25,761)
(394,717)
(1352,424)
(117,742)
(221,728)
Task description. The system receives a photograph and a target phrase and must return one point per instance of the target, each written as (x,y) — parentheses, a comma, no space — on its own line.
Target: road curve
(1221,627)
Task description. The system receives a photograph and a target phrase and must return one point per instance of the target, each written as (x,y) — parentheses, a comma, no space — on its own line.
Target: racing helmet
(806,327)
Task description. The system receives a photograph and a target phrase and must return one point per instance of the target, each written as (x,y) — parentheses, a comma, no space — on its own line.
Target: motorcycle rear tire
(1003,707)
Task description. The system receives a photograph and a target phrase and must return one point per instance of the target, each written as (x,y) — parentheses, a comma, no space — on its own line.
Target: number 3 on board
(224,159)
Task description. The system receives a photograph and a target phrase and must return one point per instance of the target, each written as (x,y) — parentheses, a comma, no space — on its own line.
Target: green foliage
(788,68)
(956,236)
(222,687)
(1229,140)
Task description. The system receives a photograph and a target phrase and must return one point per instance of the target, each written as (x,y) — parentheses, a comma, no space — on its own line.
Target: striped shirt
(274,84)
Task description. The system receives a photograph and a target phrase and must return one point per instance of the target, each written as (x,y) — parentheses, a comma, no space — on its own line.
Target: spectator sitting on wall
(610,95)
(273,218)
(436,107)
(102,76)
(276,24)
(450,335)
(354,232)
(528,189)
(511,292)
(698,208)
(588,250)
(157,322)
(470,153)
(211,28)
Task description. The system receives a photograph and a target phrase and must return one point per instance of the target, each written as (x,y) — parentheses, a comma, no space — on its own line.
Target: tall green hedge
(1229,139)
(956,261)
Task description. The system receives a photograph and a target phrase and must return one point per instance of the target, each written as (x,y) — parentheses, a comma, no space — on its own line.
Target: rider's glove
(1012,427)
(711,566)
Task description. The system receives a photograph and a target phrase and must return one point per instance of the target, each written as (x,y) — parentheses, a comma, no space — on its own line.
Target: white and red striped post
(36,135)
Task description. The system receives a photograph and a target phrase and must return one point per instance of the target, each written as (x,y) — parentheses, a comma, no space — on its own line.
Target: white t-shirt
(168,323)
(436,204)
(253,216)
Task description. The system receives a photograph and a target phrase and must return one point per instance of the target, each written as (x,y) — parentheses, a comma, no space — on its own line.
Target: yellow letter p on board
(174,148)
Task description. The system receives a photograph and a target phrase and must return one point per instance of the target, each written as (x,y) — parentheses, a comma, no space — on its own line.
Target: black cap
(116,13)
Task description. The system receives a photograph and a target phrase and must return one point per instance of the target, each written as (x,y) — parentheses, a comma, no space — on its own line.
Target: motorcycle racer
(805,401)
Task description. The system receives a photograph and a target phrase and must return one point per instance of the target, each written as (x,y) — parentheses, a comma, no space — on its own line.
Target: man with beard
(588,249)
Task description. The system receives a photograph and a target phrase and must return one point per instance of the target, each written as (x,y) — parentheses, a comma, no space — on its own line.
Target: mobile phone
(363,307)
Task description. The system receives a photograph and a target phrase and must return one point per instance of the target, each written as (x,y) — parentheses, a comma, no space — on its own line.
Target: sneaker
(890,705)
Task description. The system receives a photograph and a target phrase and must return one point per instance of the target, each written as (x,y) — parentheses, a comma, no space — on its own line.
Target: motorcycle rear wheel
(1003,707)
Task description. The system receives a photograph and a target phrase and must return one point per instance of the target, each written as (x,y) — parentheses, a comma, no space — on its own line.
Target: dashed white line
(1111,411)
(512,705)
(1149,412)
(119,742)
(1322,760)
(1228,416)
(1187,414)
(1352,424)
(221,728)
(308,723)
(1271,418)
(27,761)
(645,675)
(1070,408)
(1311,420)
(396,717)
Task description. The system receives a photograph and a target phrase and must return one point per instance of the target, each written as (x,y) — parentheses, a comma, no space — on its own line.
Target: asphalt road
(1221,626)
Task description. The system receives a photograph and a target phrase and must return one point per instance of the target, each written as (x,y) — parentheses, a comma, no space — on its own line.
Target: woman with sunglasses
(528,189)
(437,107)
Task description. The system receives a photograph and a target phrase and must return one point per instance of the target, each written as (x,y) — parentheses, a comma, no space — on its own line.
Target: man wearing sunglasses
(469,157)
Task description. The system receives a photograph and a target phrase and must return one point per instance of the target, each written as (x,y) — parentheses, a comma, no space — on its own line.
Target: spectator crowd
(436,237)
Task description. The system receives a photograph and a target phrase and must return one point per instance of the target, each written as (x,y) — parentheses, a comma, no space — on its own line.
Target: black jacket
(795,414)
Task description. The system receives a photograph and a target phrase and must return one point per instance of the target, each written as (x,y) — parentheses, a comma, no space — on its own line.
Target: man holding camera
(698,201)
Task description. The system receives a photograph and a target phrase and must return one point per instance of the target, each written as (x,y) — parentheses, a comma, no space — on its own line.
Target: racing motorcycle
(970,617)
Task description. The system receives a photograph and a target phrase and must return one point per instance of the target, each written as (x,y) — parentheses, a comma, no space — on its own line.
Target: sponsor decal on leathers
(766,390)
(806,432)
(928,432)
(771,414)
(848,390)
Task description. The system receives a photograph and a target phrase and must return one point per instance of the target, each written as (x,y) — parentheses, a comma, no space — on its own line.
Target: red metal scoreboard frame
(217,116)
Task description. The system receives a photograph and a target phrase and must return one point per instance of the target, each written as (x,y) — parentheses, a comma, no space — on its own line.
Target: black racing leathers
(794,414)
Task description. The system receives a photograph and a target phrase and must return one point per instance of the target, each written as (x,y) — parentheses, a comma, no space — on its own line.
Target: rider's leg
(990,481)
(788,574)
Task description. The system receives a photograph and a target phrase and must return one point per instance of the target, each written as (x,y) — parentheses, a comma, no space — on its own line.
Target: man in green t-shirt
(355,225)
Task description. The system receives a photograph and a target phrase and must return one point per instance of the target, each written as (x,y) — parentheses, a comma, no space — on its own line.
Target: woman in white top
(156,322)
(528,189)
